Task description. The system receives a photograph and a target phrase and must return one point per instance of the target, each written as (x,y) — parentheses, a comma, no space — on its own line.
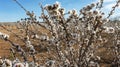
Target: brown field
(5,46)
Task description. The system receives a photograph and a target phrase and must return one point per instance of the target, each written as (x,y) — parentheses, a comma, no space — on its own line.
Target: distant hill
(8,23)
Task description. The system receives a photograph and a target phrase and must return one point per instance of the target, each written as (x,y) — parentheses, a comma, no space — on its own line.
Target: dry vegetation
(84,39)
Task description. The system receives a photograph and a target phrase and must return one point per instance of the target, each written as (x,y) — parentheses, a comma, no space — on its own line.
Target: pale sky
(11,12)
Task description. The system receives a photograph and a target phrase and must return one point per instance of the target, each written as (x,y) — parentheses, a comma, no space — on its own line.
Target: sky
(12,12)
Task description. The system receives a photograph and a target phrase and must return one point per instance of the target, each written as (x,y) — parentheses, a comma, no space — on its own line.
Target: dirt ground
(5,46)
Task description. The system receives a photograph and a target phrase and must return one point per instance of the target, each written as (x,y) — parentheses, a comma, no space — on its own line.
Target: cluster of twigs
(74,37)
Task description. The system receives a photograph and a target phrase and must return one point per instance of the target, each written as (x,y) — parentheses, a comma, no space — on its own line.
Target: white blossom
(18,65)
(108,30)
(8,63)
(4,36)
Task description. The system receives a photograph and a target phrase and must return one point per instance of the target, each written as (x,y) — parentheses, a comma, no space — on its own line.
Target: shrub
(71,41)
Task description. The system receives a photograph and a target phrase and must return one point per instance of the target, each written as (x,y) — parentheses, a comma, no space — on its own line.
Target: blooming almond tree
(72,39)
